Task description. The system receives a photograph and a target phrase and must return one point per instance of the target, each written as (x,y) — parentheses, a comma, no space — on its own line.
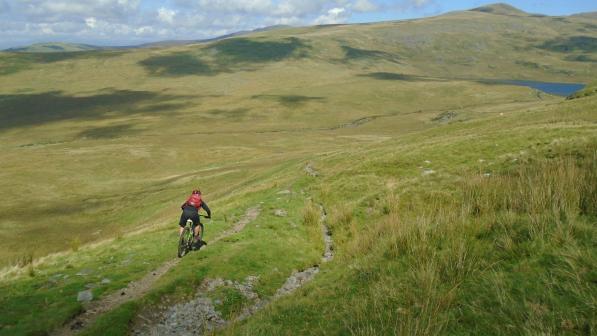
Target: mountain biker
(190,210)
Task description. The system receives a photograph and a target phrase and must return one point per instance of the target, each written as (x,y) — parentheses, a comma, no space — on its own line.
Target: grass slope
(498,240)
(456,206)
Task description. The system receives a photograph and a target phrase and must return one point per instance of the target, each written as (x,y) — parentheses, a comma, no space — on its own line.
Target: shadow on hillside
(581,58)
(243,50)
(235,114)
(13,62)
(400,77)
(108,132)
(289,100)
(355,54)
(179,64)
(587,27)
(22,110)
(574,43)
(225,56)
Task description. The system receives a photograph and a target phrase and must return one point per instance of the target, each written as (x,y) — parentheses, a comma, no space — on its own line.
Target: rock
(284,192)
(251,279)
(311,170)
(90,285)
(105,281)
(445,117)
(77,325)
(428,172)
(280,213)
(85,296)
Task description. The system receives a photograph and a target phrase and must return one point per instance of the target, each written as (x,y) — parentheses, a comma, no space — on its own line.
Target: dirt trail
(200,315)
(139,288)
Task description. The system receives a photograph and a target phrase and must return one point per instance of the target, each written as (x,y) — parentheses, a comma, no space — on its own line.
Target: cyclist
(190,210)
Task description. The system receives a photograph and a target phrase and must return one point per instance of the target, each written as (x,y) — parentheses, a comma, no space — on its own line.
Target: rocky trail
(201,316)
(139,288)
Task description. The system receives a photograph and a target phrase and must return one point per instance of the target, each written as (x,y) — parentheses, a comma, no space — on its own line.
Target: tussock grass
(23,260)
(311,220)
(512,254)
(75,243)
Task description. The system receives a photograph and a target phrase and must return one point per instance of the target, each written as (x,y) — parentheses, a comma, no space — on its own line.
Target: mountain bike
(185,242)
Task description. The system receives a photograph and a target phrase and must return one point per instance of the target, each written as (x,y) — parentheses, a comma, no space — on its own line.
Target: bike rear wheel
(183,242)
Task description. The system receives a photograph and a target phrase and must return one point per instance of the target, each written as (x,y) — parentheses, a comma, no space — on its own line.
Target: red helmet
(196,191)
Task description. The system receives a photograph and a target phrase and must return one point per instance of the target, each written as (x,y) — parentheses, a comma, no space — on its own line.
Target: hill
(364,179)
(500,9)
(54,47)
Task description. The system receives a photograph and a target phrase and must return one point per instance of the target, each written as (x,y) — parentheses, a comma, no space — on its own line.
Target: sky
(129,22)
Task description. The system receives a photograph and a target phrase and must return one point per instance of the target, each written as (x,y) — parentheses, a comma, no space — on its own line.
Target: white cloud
(46,29)
(166,15)
(145,30)
(334,15)
(91,22)
(135,21)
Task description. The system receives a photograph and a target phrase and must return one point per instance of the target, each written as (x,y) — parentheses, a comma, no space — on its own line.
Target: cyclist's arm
(206,208)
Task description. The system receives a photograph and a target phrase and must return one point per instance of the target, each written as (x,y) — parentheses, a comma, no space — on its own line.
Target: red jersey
(194,200)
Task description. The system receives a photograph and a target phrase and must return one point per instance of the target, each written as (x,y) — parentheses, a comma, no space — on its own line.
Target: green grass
(231,301)
(480,223)
(590,90)
(470,254)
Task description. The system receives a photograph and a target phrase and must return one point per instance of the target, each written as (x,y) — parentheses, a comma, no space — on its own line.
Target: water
(559,89)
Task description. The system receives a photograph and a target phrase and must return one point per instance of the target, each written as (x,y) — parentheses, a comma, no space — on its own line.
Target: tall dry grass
(312,216)
(531,219)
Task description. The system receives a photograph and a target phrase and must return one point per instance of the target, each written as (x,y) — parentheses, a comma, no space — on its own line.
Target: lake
(559,89)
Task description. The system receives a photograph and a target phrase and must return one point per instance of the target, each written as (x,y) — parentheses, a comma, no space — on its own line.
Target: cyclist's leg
(181,224)
(197,227)
(200,231)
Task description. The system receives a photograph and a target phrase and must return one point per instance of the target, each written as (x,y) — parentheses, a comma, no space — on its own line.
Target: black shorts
(192,215)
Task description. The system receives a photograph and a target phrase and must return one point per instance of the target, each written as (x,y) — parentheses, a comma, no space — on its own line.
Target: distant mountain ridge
(49,47)
(56,47)
(495,9)
(500,9)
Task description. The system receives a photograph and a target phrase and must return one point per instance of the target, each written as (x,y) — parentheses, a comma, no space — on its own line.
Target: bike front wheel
(183,242)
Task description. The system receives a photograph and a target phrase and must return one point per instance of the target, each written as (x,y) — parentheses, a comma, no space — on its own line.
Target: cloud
(110,22)
(91,22)
(166,15)
(333,16)
(57,10)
